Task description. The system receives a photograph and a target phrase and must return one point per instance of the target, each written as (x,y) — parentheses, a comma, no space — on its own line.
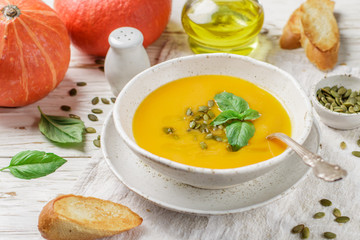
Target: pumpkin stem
(11,11)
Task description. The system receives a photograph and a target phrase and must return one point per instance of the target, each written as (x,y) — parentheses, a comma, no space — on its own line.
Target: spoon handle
(322,169)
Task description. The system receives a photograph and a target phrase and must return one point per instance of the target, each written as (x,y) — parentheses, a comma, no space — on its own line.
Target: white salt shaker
(125,58)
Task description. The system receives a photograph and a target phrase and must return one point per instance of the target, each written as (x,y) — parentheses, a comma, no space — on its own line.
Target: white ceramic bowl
(336,120)
(279,83)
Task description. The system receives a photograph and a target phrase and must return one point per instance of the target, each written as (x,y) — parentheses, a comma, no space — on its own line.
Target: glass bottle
(230,26)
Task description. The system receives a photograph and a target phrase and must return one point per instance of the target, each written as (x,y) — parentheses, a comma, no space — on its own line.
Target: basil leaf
(239,133)
(250,114)
(228,101)
(226,116)
(34,164)
(61,129)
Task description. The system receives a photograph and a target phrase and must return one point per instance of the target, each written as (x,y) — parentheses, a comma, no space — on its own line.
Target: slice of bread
(319,33)
(71,217)
(314,27)
(290,38)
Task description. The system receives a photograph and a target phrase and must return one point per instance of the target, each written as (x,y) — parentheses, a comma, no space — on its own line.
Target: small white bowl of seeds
(336,99)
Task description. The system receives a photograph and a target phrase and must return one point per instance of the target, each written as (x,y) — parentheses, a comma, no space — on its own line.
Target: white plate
(176,196)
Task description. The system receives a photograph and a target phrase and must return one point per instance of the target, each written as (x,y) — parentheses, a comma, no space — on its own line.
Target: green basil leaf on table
(239,133)
(34,164)
(225,116)
(228,101)
(61,129)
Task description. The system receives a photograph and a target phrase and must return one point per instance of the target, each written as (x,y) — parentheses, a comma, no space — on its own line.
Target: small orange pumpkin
(34,51)
(91,22)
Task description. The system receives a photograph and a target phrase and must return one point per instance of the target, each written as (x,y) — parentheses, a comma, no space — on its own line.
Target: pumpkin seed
(347,94)
(342,145)
(356,154)
(342,219)
(209,136)
(211,103)
(92,117)
(74,116)
(330,99)
(305,233)
(334,94)
(73,92)
(192,124)
(97,110)
(105,101)
(323,99)
(328,105)
(97,143)
(203,145)
(336,212)
(203,109)
(341,91)
(90,130)
(338,102)
(206,117)
(219,139)
(358,142)
(351,109)
(353,94)
(168,130)
(325,202)
(319,215)
(211,114)
(189,112)
(329,235)
(297,228)
(81,84)
(65,108)
(197,126)
(113,100)
(95,100)
(98,137)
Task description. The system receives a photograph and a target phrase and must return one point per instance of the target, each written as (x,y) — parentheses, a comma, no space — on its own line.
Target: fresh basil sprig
(61,129)
(34,164)
(236,116)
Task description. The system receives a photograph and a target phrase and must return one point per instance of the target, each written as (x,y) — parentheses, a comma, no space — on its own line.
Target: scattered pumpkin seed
(336,212)
(211,114)
(95,100)
(305,233)
(209,136)
(81,84)
(356,154)
(325,202)
(97,110)
(358,142)
(229,148)
(219,139)
(97,143)
(189,112)
(113,100)
(203,109)
(74,116)
(211,103)
(342,145)
(329,235)
(319,215)
(65,108)
(206,117)
(90,130)
(203,145)
(342,219)
(168,130)
(297,229)
(192,124)
(73,92)
(105,101)
(92,117)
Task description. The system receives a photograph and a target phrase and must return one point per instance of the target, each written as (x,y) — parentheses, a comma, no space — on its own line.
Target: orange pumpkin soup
(167,106)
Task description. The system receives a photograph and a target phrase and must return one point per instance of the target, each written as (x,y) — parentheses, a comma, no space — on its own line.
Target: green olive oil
(223,25)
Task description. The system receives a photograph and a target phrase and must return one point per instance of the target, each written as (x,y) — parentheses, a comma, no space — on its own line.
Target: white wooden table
(22,200)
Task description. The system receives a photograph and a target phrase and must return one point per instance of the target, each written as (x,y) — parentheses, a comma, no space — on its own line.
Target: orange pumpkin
(90,22)
(34,51)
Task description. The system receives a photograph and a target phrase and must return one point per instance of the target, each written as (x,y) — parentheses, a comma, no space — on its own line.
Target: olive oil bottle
(223,25)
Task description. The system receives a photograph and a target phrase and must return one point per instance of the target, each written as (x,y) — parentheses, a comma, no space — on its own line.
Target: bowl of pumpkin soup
(203,119)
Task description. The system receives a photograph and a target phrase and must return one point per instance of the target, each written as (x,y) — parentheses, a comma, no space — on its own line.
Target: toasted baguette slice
(319,33)
(290,38)
(71,217)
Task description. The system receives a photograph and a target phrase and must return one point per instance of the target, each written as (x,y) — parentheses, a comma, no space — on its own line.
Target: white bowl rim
(313,96)
(228,171)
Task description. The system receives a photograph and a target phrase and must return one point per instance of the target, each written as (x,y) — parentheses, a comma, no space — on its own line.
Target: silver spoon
(321,169)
